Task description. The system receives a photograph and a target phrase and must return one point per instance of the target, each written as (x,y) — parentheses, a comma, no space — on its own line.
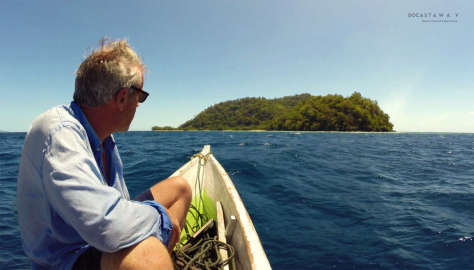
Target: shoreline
(319,131)
(297,131)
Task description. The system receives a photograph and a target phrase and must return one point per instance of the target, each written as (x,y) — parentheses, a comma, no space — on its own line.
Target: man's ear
(121,99)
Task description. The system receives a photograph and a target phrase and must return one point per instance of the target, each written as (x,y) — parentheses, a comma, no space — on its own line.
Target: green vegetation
(300,112)
(163,128)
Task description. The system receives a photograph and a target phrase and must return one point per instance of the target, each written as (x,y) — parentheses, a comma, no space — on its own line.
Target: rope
(201,253)
(202,157)
(204,254)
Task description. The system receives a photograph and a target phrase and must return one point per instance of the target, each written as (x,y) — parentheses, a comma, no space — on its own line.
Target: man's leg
(175,195)
(147,255)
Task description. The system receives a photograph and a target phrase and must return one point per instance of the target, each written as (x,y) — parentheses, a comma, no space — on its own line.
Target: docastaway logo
(446,17)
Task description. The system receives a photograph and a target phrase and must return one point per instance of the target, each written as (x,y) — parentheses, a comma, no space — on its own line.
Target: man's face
(133,101)
(130,110)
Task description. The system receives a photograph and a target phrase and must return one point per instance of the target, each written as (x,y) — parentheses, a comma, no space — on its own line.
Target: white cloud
(396,104)
(409,111)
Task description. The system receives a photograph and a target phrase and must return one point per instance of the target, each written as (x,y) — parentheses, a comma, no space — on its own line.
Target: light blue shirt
(65,204)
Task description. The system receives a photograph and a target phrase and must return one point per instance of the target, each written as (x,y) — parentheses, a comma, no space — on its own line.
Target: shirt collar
(109,142)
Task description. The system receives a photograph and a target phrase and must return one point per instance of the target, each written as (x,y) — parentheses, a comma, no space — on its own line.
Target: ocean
(318,200)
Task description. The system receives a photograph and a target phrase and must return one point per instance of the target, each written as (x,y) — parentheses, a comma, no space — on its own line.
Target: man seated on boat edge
(74,208)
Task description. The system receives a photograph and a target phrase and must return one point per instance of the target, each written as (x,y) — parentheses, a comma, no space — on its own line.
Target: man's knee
(148,254)
(183,187)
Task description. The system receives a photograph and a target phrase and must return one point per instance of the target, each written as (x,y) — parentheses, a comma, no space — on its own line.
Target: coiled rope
(204,254)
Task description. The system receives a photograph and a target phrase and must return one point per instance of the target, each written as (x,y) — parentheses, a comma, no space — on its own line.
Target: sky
(418,67)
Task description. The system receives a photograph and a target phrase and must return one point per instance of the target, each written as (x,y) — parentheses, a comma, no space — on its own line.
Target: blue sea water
(317,200)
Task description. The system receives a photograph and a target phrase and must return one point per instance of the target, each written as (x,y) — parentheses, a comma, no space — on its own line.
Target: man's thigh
(148,254)
(171,190)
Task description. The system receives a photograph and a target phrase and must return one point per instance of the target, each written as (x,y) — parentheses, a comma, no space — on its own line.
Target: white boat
(239,232)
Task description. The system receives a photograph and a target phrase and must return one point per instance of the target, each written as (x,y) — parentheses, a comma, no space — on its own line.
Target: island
(302,112)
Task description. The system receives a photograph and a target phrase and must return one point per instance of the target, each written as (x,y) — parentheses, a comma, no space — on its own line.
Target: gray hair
(114,65)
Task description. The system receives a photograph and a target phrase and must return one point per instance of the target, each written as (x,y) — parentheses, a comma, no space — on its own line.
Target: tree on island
(302,112)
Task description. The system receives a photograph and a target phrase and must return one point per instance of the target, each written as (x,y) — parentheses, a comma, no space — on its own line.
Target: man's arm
(74,186)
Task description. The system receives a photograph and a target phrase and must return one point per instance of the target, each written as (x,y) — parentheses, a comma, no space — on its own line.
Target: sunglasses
(142,94)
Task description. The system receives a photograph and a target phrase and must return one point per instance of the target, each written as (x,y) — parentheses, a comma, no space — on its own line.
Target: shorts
(90,259)
(145,196)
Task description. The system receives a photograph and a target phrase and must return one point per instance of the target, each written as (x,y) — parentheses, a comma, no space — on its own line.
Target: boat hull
(204,169)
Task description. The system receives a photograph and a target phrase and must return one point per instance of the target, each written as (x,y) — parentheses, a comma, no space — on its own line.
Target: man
(73,205)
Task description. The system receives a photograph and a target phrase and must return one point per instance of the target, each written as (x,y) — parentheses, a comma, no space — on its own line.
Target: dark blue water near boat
(317,200)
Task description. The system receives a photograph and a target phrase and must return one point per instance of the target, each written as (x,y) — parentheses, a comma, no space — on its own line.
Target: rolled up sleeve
(165,221)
